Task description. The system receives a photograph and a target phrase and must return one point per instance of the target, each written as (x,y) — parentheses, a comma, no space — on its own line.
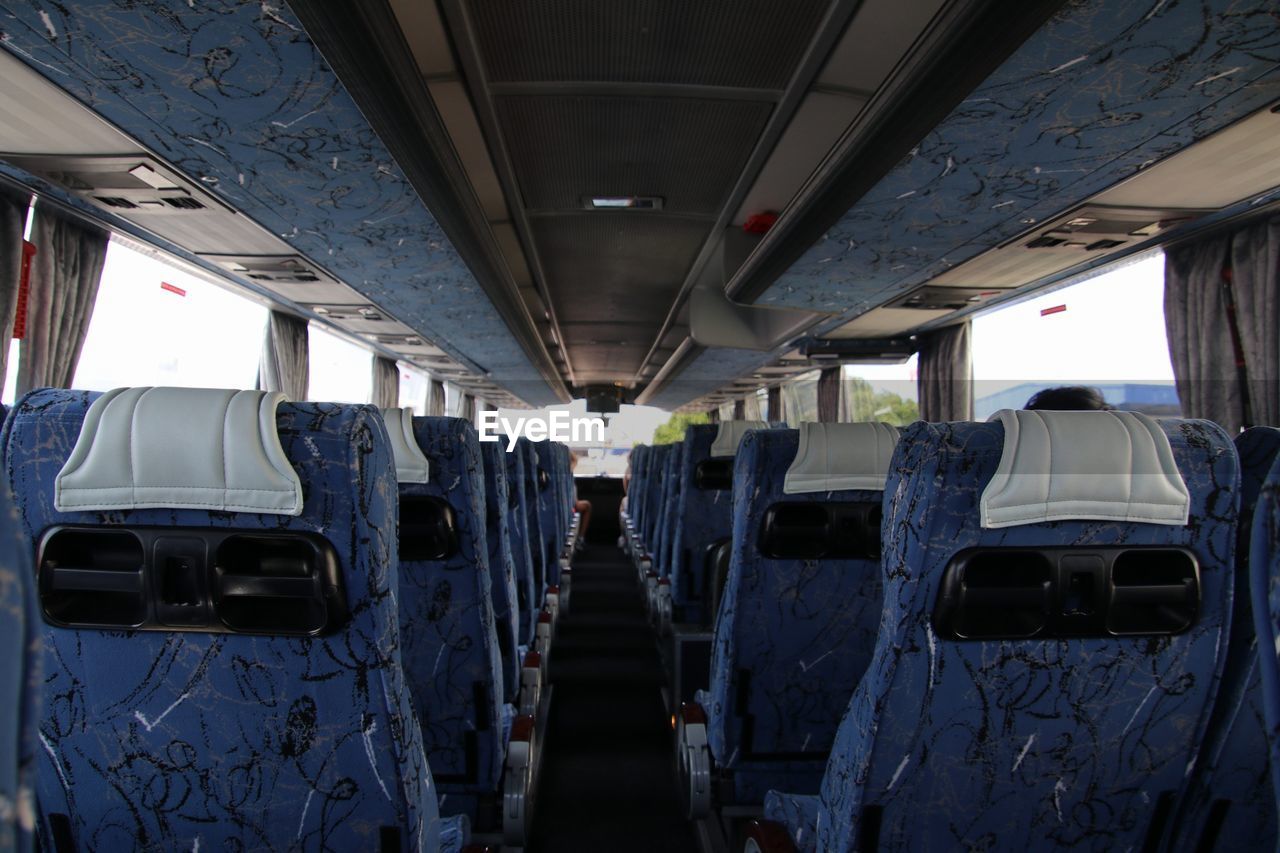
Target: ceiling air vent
(135,183)
(930,298)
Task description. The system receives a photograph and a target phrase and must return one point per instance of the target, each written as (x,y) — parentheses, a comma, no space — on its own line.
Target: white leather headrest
(841,456)
(1084,465)
(180,448)
(411,464)
(730,434)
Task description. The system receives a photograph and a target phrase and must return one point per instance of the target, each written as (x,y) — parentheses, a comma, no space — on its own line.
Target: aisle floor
(607,780)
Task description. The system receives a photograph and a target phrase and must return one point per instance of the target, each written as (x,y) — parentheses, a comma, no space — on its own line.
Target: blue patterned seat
(168,740)
(450,646)
(534,498)
(668,507)
(793,633)
(639,463)
(20,680)
(1228,804)
(703,520)
(1051,743)
(522,557)
(654,493)
(548,510)
(1264,590)
(502,575)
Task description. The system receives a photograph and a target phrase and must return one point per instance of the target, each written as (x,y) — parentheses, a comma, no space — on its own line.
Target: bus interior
(690,425)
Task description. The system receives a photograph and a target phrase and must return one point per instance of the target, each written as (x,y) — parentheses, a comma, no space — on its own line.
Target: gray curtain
(739,410)
(945,375)
(1255,283)
(751,407)
(386,383)
(776,414)
(285,364)
(468,409)
(65,274)
(1198,325)
(829,395)
(436,399)
(13,220)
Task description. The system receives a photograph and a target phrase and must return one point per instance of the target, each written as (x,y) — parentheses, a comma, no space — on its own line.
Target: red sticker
(172,288)
(24,291)
(1057,309)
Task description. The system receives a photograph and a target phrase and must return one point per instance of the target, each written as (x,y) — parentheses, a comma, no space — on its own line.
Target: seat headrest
(180,448)
(730,434)
(832,457)
(1060,466)
(411,464)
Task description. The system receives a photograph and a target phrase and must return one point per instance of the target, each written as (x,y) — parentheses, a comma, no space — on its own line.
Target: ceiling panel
(607,266)
(748,43)
(566,148)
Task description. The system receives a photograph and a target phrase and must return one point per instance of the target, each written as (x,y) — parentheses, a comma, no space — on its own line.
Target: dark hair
(1068,398)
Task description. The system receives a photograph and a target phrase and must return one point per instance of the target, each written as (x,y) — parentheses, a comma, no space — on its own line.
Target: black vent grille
(183,203)
(567,148)
(744,43)
(116,201)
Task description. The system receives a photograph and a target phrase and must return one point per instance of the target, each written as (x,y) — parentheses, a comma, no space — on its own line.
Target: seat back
(1094,641)
(670,511)
(801,605)
(653,494)
(502,572)
(1264,591)
(518,529)
(1229,804)
(534,499)
(20,681)
(262,726)
(704,514)
(450,644)
(548,510)
(639,480)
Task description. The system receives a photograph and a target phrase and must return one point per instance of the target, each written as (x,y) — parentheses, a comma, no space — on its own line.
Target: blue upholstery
(548,511)
(518,528)
(1233,765)
(792,636)
(534,498)
(670,511)
(1033,744)
(450,645)
(653,496)
(1264,590)
(704,519)
(167,741)
(639,477)
(502,572)
(20,678)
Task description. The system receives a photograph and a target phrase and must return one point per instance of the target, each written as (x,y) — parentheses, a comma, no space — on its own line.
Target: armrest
(517,788)
(693,760)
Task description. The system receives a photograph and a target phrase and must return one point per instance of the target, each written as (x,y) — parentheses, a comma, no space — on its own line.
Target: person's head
(573,462)
(1068,398)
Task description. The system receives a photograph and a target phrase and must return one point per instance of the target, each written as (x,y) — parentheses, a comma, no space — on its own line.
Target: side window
(880,392)
(1107,331)
(154,324)
(340,372)
(414,386)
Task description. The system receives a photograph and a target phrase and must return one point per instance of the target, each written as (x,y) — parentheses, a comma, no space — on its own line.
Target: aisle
(607,782)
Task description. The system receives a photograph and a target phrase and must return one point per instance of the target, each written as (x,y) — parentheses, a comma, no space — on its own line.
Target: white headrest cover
(180,448)
(841,456)
(730,434)
(1084,465)
(411,464)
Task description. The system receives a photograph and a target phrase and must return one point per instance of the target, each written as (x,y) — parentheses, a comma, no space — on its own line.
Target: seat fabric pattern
(670,511)
(186,740)
(534,500)
(518,530)
(451,653)
(791,639)
(1264,589)
(502,573)
(654,490)
(1233,765)
(639,475)
(21,671)
(1033,744)
(548,510)
(704,519)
